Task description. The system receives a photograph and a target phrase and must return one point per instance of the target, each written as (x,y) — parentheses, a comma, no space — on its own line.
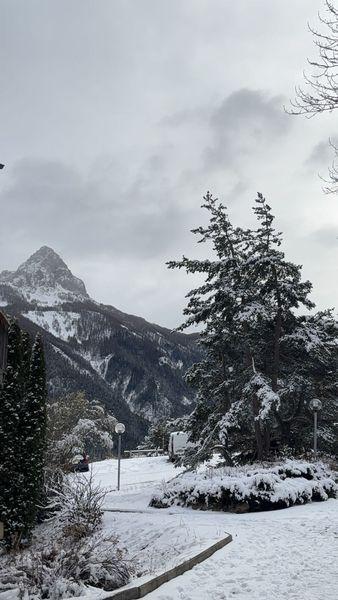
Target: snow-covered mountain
(46,279)
(134,367)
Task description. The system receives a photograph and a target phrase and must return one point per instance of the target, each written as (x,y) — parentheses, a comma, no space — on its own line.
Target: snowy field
(289,554)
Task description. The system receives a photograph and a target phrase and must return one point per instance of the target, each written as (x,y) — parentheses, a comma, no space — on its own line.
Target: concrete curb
(142,589)
(146,511)
(128,510)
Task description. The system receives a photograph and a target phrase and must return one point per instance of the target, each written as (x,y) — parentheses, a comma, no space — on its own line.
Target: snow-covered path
(289,554)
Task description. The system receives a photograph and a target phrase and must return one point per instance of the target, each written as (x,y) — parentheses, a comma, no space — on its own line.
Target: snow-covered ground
(157,540)
(284,555)
(289,554)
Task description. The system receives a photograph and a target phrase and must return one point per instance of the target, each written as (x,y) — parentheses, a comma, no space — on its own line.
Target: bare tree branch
(320,93)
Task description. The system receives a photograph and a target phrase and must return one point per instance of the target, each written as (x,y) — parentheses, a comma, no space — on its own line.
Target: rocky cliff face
(134,367)
(44,278)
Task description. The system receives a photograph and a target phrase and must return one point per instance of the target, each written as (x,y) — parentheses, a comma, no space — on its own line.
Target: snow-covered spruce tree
(11,403)
(22,434)
(264,362)
(34,432)
(159,433)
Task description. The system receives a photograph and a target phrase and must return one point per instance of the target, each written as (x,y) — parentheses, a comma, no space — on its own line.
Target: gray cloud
(49,201)
(116,118)
(188,116)
(322,155)
(326,236)
(319,156)
(242,124)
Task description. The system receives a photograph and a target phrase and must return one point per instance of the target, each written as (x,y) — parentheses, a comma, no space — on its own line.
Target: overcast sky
(116,116)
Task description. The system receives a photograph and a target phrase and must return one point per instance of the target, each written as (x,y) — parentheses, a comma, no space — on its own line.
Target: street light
(315,406)
(119,429)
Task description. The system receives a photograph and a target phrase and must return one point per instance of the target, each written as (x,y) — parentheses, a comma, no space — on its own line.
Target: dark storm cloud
(242,124)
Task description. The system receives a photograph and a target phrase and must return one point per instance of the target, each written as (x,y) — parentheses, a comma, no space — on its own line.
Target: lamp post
(119,429)
(315,406)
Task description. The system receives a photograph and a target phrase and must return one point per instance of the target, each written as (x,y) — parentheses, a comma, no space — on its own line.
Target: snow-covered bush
(76,425)
(248,489)
(78,506)
(69,552)
(63,570)
(101,563)
(34,574)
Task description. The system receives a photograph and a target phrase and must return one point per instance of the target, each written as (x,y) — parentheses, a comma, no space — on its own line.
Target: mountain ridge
(46,271)
(134,367)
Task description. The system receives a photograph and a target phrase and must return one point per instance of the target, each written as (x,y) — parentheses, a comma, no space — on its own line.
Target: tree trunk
(266,439)
(258,431)
(227,400)
(285,431)
(276,355)
(276,351)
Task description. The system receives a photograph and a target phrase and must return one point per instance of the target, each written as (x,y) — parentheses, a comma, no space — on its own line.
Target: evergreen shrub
(245,489)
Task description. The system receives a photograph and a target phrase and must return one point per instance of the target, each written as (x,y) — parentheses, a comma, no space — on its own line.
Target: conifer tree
(34,436)
(26,348)
(22,435)
(11,402)
(264,362)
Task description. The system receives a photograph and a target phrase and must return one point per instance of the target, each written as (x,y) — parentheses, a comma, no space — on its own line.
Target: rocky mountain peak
(45,277)
(133,367)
